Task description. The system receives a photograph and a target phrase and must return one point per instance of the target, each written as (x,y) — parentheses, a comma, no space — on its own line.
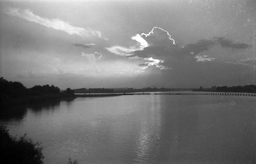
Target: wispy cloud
(56,24)
(251,62)
(128,51)
(204,58)
(86,46)
(122,51)
(92,58)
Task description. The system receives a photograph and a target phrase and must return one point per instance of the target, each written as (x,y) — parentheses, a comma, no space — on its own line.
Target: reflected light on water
(150,129)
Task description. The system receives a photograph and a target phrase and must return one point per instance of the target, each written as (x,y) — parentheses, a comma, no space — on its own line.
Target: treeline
(125,90)
(246,88)
(15,93)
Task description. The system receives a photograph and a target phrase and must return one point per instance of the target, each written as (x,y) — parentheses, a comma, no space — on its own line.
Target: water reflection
(149,132)
(17,114)
(13,114)
(48,106)
(179,127)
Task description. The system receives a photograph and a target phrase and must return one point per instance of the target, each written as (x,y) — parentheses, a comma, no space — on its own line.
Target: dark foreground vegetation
(19,150)
(15,93)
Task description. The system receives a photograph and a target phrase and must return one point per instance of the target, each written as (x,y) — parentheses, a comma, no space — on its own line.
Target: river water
(175,129)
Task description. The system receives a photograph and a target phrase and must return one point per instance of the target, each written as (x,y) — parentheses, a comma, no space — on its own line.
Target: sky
(128,43)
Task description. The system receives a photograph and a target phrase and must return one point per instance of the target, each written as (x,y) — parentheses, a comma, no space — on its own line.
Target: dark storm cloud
(205,45)
(191,49)
(86,46)
(168,52)
(225,43)
(160,43)
(171,55)
(162,47)
(157,47)
(196,48)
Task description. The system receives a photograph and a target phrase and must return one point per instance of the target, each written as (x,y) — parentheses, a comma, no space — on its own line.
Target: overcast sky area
(128,43)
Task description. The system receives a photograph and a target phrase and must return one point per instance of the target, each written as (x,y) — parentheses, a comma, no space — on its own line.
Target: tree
(69,91)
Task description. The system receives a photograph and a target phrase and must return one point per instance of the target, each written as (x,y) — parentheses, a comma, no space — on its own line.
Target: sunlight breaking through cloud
(143,42)
(161,29)
(122,51)
(153,62)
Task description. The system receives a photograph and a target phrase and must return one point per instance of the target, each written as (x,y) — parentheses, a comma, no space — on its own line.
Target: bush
(19,151)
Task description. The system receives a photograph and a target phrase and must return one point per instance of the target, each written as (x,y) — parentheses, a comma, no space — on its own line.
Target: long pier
(208,93)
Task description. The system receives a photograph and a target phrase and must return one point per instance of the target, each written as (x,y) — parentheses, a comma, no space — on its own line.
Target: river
(135,129)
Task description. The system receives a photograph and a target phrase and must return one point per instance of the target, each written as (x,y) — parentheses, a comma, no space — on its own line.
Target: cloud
(169,52)
(157,48)
(225,43)
(92,58)
(153,62)
(196,48)
(128,51)
(86,46)
(251,62)
(164,49)
(139,39)
(204,58)
(56,24)
(157,36)
(122,51)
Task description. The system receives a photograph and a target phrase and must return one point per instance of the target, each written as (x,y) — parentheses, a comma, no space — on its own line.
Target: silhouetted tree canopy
(45,89)
(246,88)
(12,89)
(69,91)
(16,93)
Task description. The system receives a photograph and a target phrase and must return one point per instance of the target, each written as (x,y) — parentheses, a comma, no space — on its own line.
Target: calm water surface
(146,129)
